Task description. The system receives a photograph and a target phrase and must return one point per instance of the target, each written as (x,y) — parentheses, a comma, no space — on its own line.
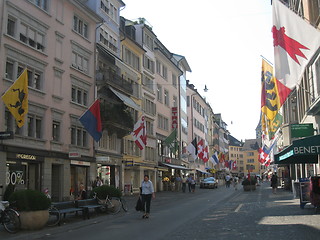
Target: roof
(251,144)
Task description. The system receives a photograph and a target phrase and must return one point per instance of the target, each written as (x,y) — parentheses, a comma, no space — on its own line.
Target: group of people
(178,183)
(232,180)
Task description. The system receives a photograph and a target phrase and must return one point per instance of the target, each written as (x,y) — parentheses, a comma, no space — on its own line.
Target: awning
(204,172)
(305,150)
(176,166)
(126,100)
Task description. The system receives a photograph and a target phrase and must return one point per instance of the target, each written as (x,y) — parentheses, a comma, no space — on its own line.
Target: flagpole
(266,60)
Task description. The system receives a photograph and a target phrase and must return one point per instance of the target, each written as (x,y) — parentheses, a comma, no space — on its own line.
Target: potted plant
(249,184)
(33,208)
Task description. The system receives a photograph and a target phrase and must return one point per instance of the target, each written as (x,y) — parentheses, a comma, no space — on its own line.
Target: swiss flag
(203,152)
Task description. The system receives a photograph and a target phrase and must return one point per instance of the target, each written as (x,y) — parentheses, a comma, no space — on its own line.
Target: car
(209,182)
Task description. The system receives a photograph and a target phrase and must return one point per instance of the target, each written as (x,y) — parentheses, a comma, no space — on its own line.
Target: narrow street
(206,214)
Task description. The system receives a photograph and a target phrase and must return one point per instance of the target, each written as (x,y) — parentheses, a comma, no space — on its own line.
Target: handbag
(139,205)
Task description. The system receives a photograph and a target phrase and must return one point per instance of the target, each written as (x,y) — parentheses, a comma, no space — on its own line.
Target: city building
(236,156)
(55,41)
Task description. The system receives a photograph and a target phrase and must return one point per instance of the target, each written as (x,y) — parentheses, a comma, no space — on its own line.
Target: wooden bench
(67,207)
(87,205)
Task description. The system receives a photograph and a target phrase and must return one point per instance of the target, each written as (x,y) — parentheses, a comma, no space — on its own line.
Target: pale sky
(223,42)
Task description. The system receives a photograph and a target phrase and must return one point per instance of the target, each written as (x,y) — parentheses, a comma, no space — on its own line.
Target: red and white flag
(203,152)
(139,133)
(295,42)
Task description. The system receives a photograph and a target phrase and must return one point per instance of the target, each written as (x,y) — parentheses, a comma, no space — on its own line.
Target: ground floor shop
(38,170)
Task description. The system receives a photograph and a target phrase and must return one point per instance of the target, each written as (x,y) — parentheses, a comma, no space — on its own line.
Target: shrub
(105,190)
(29,200)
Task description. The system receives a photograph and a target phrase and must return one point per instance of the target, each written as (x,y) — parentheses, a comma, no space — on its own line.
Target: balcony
(110,77)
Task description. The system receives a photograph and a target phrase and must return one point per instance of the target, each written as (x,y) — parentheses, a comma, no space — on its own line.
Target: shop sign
(26,156)
(74,155)
(15,177)
(167,160)
(103,159)
(174,117)
(301,130)
(6,135)
(129,163)
(81,163)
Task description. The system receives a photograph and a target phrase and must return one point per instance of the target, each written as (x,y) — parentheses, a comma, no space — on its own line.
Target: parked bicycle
(110,204)
(9,217)
(54,216)
(123,203)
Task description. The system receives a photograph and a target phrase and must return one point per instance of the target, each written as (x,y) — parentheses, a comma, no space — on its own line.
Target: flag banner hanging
(264,154)
(91,120)
(295,42)
(203,152)
(139,133)
(171,141)
(270,102)
(214,158)
(192,148)
(16,98)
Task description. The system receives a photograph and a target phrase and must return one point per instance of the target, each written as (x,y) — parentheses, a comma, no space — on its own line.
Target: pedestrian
(172,180)
(228,180)
(235,183)
(147,192)
(184,183)
(97,182)
(178,183)
(274,183)
(193,184)
(189,182)
(82,193)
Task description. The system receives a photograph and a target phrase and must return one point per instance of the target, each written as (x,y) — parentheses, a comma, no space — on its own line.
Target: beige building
(55,41)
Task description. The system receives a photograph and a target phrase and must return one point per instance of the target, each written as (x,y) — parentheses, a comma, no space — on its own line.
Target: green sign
(301,130)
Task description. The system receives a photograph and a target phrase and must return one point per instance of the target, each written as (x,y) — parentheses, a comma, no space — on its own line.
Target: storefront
(301,157)
(79,172)
(24,171)
(109,170)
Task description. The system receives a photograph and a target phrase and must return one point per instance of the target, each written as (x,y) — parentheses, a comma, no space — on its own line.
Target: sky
(223,42)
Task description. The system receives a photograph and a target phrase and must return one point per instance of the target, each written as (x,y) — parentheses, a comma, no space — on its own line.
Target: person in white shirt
(147,192)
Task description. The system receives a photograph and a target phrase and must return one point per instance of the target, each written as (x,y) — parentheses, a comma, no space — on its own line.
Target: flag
(139,133)
(214,158)
(203,151)
(295,41)
(91,120)
(264,153)
(171,140)
(270,100)
(16,98)
(234,165)
(192,148)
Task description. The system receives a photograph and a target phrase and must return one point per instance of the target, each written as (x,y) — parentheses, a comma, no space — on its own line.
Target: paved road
(206,214)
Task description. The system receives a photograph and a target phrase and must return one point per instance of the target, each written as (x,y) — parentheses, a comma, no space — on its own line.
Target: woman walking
(147,192)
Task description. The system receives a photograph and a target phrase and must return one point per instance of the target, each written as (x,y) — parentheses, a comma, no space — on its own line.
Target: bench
(67,207)
(87,205)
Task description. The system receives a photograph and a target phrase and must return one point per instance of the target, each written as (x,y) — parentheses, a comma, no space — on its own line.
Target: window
(131,148)
(80,62)
(159,93)
(149,107)
(250,154)
(56,131)
(163,122)
(28,35)
(148,83)
(79,136)
(43,4)
(175,101)
(250,160)
(149,127)
(11,26)
(148,41)
(34,126)
(148,64)
(174,80)
(80,26)
(158,67)
(150,154)
(166,97)
(104,5)
(131,59)
(79,96)
(35,77)
(164,72)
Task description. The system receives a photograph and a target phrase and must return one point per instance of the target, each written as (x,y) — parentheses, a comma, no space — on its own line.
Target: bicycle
(123,203)
(54,216)
(110,204)
(9,217)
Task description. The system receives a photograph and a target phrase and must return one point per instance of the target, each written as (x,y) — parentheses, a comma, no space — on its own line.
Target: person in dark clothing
(274,183)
